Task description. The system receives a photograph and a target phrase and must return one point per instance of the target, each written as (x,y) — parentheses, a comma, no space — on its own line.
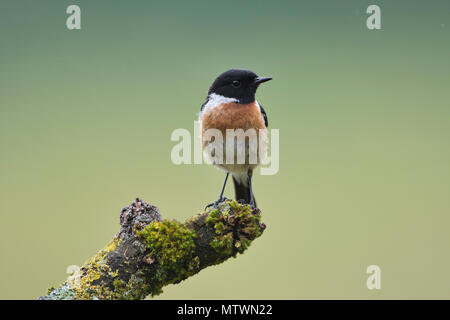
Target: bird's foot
(255,210)
(253,207)
(215,204)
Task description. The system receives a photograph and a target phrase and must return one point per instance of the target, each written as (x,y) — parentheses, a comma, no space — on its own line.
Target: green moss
(223,244)
(49,290)
(172,245)
(235,227)
(119,285)
(213,216)
(85,283)
(219,227)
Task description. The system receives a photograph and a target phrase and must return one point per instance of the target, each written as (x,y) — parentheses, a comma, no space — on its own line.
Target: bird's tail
(241,189)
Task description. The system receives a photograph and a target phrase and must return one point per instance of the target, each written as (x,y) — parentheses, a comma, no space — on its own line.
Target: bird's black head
(238,84)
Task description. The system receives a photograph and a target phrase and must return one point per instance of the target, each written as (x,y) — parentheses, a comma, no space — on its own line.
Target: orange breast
(233,116)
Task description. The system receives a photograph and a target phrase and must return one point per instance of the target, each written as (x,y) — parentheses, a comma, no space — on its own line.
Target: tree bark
(149,252)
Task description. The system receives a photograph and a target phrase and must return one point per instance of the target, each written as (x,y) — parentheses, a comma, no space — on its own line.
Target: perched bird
(231,104)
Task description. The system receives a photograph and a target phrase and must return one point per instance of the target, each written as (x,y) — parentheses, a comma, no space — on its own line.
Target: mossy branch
(149,252)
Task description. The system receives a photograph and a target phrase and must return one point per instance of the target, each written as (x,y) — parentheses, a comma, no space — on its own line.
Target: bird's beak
(262,79)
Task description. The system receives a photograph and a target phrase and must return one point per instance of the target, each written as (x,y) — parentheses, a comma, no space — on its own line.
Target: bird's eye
(236,84)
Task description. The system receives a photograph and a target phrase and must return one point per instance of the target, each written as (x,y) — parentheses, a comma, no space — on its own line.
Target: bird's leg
(215,204)
(252,198)
(223,187)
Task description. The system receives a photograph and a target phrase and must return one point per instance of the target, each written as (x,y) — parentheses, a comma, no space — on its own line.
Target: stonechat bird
(231,107)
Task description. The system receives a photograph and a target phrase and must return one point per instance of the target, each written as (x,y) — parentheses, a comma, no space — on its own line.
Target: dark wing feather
(263,113)
(203,105)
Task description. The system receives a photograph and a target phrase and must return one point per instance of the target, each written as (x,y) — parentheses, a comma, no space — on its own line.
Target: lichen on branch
(149,252)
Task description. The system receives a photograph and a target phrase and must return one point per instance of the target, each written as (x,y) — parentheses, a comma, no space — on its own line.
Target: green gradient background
(364,119)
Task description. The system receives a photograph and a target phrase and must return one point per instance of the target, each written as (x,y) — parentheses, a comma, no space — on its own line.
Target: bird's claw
(255,210)
(215,204)
(253,207)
